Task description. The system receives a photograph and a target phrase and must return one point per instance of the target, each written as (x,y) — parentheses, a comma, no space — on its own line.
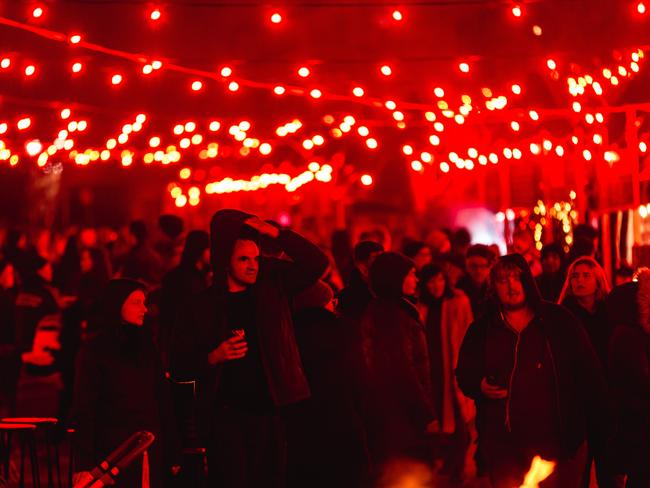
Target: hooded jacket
(557,379)
(629,371)
(204,325)
(394,347)
(120,388)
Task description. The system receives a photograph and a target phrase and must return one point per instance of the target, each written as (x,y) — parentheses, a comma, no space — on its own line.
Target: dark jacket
(399,403)
(120,388)
(354,298)
(550,285)
(629,370)
(596,325)
(204,323)
(478,296)
(326,433)
(557,392)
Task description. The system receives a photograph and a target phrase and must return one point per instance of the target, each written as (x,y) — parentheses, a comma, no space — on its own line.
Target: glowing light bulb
(463,67)
(37,13)
(357,91)
(386,70)
(75,39)
(315,93)
(397,15)
(116,79)
(197,85)
(551,64)
(155,14)
(276,18)
(516,11)
(641,8)
(304,72)
(279,90)
(226,71)
(366,180)
(5,63)
(233,86)
(416,165)
(76,67)
(30,70)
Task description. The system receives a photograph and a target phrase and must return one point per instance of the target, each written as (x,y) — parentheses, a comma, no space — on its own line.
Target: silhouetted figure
(551,281)
(399,405)
(326,439)
(120,388)
(187,279)
(354,298)
(629,366)
(141,262)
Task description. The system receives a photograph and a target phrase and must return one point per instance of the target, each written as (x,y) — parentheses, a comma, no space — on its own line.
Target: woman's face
(583,281)
(436,285)
(410,283)
(134,309)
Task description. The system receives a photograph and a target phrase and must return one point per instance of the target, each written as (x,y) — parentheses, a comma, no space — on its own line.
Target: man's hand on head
(262,227)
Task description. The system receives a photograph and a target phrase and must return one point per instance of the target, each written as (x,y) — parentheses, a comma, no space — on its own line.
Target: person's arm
(308,263)
(87,387)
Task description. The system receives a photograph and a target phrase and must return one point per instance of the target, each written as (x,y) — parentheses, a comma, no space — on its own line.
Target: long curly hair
(601,279)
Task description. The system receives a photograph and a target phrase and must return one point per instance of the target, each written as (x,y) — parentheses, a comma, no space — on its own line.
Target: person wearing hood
(628,306)
(536,381)
(354,298)
(120,388)
(236,340)
(399,405)
(446,314)
(325,432)
(184,281)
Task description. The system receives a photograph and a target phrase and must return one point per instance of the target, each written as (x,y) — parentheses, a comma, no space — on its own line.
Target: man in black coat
(237,341)
(536,380)
(354,298)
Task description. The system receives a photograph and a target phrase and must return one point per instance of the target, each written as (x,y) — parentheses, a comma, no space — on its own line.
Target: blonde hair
(602,288)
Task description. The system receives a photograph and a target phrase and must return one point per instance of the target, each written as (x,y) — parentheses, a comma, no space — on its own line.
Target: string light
(155,14)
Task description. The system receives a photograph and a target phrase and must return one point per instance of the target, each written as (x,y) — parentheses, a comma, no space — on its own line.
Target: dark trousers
(507,464)
(246,450)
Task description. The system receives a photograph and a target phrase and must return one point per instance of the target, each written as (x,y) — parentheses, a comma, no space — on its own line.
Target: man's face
(478,269)
(510,290)
(244,262)
(436,285)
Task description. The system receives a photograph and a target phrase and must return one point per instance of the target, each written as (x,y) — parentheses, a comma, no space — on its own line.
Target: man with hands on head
(236,340)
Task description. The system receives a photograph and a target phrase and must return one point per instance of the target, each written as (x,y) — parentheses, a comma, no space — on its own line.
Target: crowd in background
(327,365)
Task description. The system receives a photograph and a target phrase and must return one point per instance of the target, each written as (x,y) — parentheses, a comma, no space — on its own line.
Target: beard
(513,307)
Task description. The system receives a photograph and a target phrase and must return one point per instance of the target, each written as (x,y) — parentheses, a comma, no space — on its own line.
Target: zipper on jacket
(512,376)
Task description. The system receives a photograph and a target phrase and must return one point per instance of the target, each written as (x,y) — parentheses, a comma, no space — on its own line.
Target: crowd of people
(332,365)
